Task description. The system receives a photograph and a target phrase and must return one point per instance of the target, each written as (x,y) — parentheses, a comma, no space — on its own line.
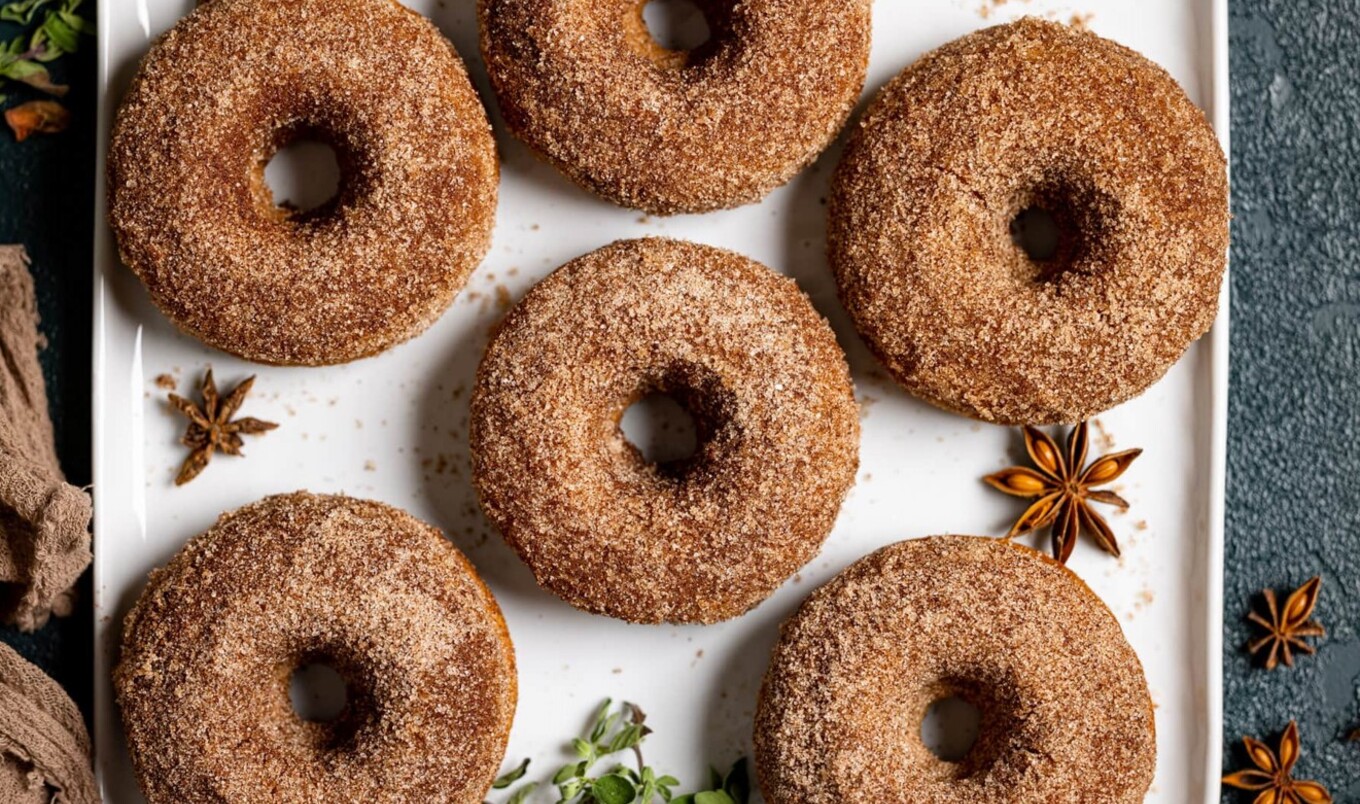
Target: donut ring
(209,648)
(586,86)
(744,351)
(1032,114)
(219,94)
(1066,714)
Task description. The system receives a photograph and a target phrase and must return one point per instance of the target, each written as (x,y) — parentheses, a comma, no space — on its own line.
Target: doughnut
(299,579)
(741,348)
(951,156)
(588,88)
(1065,710)
(228,87)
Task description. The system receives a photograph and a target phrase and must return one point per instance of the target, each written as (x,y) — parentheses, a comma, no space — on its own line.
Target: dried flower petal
(234,399)
(1109,468)
(1289,747)
(1044,452)
(1066,528)
(193,465)
(1019,481)
(1077,442)
(1037,515)
(37,117)
(1096,525)
(1299,605)
(252,426)
(1249,780)
(209,392)
(1312,793)
(1107,497)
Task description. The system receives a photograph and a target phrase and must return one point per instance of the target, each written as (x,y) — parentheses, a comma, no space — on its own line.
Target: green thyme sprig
(615,731)
(24,57)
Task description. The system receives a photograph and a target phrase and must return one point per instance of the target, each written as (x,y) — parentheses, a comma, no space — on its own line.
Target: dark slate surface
(1294,458)
(1294,453)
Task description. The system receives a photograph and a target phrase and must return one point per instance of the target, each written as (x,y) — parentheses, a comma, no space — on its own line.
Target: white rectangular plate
(394,428)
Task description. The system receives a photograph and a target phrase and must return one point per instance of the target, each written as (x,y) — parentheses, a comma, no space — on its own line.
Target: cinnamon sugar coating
(209,648)
(212,102)
(1030,114)
(1066,715)
(758,369)
(588,88)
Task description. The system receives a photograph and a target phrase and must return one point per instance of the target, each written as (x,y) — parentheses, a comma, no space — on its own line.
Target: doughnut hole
(950,728)
(673,33)
(1060,225)
(661,429)
(332,705)
(303,175)
(960,727)
(317,692)
(675,423)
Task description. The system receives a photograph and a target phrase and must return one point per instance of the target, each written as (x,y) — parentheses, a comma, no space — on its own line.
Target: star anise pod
(211,426)
(1287,627)
(1274,775)
(1065,490)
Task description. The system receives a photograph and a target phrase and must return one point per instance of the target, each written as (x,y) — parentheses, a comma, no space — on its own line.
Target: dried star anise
(1287,627)
(211,427)
(1273,775)
(1064,490)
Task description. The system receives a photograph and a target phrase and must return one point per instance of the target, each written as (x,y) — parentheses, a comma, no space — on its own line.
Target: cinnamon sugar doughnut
(1065,712)
(759,370)
(226,88)
(297,579)
(587,87)
(1029,115)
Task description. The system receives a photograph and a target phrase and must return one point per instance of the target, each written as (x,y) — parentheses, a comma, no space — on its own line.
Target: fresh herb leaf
(738,781)
(613,789)
(614,731)
(567,772)
(22,60)
(60,32)
(21,11)
(33,74)
(510,777)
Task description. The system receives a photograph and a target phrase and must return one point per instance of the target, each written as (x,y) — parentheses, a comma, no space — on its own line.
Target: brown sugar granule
(1065,711)
(664,131)
(212,102)
(751,360)
(209,649)
(1030,115)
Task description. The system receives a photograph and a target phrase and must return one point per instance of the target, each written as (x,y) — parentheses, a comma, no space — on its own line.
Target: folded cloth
(44,522)
(44,748)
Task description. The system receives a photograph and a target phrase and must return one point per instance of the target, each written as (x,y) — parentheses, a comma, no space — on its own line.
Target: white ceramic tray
(394,428)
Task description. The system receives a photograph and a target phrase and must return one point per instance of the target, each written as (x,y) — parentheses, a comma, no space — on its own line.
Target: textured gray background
(1294,458)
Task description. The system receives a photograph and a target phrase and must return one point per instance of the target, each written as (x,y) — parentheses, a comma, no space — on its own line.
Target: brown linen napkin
(44,748)
(44,522)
